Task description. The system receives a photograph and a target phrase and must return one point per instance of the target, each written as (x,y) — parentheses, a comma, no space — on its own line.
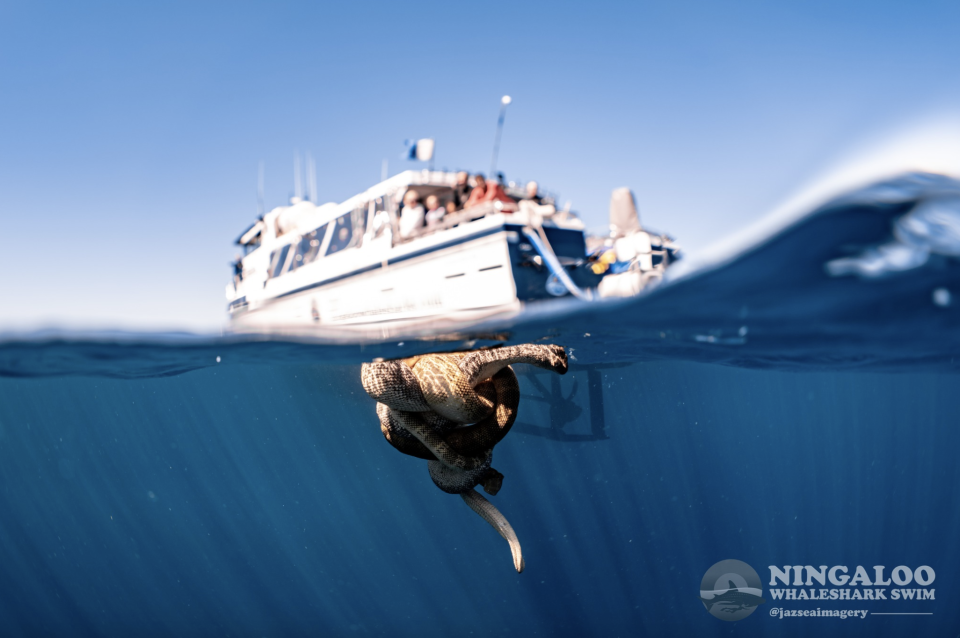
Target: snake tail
(498,521)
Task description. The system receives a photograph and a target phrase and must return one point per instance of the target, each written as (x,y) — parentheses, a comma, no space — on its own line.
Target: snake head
(556,358)
(492,481)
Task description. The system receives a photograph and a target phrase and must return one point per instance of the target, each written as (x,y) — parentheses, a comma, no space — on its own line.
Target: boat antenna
(297,186)
(311,179)
(504,101)
(260,190)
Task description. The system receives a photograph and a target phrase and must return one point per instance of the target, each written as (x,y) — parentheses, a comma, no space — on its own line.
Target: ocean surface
(789,400)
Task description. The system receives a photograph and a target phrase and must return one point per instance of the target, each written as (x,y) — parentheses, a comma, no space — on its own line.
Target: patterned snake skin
(452,409)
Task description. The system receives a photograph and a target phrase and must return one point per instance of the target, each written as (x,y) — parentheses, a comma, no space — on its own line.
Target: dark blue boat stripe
(447,244)
(413,255)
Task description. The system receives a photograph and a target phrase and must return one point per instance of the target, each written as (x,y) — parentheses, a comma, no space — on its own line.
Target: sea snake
(451,409)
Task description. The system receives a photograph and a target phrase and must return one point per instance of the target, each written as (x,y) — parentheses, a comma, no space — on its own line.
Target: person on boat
(533,193)
(486,192)
(435,212)
(461,191)
(380,223)
(237,269)
(411,216)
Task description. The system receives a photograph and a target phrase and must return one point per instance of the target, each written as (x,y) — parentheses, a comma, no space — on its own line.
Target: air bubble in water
(942,297)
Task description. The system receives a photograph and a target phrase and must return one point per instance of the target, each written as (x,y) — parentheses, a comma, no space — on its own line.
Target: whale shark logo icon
(733,600)
(731,590)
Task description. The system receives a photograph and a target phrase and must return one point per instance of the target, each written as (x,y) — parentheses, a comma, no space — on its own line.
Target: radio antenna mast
(297,186)
(260,190)
(504,101)
(311,179)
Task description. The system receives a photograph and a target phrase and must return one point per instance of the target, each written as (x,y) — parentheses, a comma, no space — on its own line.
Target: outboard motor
(624,219)
(637,257)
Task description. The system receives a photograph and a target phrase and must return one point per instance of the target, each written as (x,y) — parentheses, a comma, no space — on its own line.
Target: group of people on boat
(415,218)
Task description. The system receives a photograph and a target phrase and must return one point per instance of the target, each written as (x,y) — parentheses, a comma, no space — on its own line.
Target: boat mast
(504,101)
(260,190)
(311,178)
(297,186)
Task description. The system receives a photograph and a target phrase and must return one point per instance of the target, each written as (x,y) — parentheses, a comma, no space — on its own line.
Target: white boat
(345,267)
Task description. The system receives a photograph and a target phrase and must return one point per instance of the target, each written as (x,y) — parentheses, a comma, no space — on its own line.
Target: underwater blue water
(781,408)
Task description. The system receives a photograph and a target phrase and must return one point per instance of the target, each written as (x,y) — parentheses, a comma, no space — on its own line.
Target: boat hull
(468,274)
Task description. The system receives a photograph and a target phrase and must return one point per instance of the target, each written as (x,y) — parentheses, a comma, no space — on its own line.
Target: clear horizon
(131,135)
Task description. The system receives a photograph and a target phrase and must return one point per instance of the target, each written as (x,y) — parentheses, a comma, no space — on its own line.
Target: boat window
(309,247)
(289,263)
(359,224)
(277,259)
(347,232)
(380,216)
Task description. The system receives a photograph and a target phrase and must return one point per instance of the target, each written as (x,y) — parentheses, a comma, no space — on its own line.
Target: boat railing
(465,216)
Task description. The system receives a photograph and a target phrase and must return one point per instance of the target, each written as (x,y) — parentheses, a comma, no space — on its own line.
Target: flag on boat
(421,149)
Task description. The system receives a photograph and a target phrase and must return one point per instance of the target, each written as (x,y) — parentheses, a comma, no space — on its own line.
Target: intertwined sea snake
(452,409)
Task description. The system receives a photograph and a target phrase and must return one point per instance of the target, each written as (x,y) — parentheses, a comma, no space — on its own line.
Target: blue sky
(130,133)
